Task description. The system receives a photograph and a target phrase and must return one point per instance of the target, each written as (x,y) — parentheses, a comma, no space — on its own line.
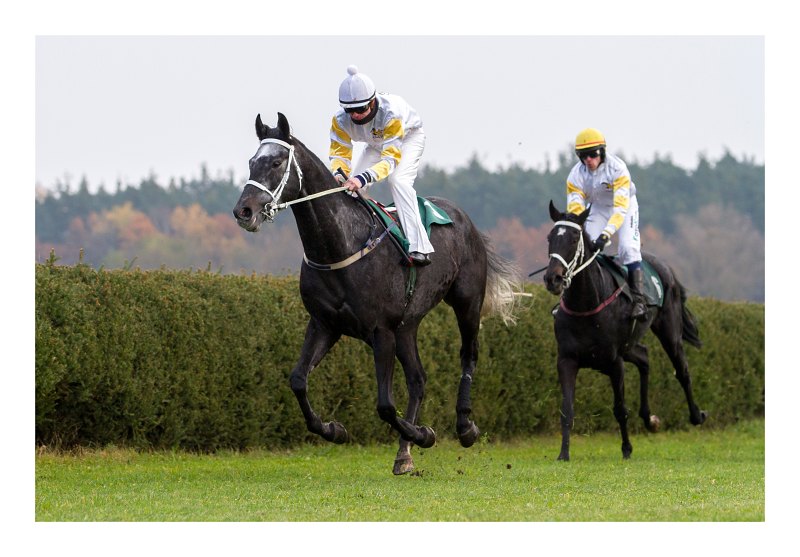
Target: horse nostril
(244,214)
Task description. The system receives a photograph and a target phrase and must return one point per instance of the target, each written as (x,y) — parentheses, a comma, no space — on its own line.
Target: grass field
(698,475)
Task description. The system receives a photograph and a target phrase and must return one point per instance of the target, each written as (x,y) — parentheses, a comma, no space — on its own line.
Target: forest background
(706,222)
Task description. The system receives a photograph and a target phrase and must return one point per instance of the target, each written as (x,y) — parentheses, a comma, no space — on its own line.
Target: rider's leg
(401,182)
(630,255)
(636,282)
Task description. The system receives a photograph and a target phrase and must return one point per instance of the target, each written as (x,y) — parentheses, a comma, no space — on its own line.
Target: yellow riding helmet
(588,139)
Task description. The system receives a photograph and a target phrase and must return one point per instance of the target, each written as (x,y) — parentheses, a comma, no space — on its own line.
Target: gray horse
(352,283)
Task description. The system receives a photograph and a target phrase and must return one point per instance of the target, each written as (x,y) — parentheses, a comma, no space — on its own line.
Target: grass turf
(697,475)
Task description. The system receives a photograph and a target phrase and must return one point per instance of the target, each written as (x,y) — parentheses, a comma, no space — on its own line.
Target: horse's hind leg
(617,375)
(668,329)
(318,341)
(468,314)
(638,357)
(408,354)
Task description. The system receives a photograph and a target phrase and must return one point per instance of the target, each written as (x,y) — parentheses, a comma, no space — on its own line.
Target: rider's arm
(341,151)
(622,195)
(393,135)
(576,197)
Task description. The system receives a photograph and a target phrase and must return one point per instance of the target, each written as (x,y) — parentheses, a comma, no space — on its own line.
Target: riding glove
(601,242)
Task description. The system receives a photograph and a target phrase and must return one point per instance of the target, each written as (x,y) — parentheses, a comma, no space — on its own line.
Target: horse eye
(276,164)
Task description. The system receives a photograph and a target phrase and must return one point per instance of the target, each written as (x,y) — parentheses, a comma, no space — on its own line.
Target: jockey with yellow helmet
(394,138)
(603,180)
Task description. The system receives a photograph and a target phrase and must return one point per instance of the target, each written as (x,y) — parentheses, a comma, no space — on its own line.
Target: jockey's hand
(601,242)
(352,185)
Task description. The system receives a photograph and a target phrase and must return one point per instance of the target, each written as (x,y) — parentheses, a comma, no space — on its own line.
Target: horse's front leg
(616,373)
(408,354)
(318,341)
(567,377)
(384,346)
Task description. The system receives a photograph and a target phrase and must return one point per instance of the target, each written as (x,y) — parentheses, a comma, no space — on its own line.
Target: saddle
(429,212)
(653,287)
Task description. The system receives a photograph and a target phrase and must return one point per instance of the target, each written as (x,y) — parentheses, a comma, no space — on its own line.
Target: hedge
(200,361)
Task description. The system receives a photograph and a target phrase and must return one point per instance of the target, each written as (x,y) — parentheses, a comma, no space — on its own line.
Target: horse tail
(502,285)
(689,330)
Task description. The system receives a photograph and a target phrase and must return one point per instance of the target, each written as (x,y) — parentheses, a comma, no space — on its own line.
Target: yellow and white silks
(612,195)
(395,142)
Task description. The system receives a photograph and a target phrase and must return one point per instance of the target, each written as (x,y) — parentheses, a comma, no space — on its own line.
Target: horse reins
(272,207)
(571,269)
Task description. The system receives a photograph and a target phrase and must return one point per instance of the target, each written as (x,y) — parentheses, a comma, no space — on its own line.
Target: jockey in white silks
(394,138)
(603,180)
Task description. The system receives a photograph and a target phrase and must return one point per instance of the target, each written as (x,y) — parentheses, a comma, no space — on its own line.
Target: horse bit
(579,252)
(272,207)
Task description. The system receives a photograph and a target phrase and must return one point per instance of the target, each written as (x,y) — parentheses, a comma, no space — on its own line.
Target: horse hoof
(626,451)
(335,433)
(654,424)
(563,457)
(427,437)
(403,466)
(469,436)
(700,419)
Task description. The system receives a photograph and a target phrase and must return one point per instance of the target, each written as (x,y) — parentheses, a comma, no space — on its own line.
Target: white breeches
(630,243)
(401,185)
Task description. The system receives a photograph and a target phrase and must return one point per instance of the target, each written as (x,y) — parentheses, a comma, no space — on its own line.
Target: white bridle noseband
(579,252)
(272,207)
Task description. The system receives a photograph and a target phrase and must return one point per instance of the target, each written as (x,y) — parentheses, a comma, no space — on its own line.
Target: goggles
(593,154)
(358,109)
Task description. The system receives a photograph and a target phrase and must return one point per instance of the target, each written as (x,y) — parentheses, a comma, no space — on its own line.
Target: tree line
(707,222)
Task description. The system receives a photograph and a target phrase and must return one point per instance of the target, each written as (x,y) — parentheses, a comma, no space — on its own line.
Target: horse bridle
(272,207)
(571,269)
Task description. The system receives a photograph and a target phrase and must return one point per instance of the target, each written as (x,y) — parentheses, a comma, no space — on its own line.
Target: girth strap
(366,248)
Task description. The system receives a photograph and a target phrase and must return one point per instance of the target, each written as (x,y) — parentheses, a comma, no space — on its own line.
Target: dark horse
(594,329)
(367,296)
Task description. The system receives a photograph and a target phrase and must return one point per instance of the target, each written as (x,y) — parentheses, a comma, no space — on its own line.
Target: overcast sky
(119,108)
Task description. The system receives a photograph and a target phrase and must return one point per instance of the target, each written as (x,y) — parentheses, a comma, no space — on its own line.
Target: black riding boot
(636,282)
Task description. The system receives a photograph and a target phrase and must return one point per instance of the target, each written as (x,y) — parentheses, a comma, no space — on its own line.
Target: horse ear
(261,129)
(283,126)
(555,214)
(584,215)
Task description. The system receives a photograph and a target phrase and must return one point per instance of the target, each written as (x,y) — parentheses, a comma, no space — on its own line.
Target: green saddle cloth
(429,212)
(653,287)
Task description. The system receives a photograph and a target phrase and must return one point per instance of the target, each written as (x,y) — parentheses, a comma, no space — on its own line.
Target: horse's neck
(331,227)
(588,289)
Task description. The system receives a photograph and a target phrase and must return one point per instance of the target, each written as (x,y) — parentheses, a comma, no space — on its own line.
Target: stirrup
(420,259)
(639,311)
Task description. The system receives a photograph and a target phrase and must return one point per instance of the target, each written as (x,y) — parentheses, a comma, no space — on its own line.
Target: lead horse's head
(566,248)
(271,177)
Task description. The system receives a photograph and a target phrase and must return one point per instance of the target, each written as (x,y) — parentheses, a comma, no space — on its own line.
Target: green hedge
(200,361)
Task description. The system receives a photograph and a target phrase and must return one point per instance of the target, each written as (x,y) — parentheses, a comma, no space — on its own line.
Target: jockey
(603,181)
(392,131)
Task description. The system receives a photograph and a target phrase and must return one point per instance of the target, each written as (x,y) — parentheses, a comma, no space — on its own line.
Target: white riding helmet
(356,90)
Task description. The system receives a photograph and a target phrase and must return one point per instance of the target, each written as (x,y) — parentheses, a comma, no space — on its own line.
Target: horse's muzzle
(554,282)
(248,219)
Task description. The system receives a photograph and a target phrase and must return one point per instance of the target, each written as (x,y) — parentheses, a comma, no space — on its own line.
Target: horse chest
(589,345)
